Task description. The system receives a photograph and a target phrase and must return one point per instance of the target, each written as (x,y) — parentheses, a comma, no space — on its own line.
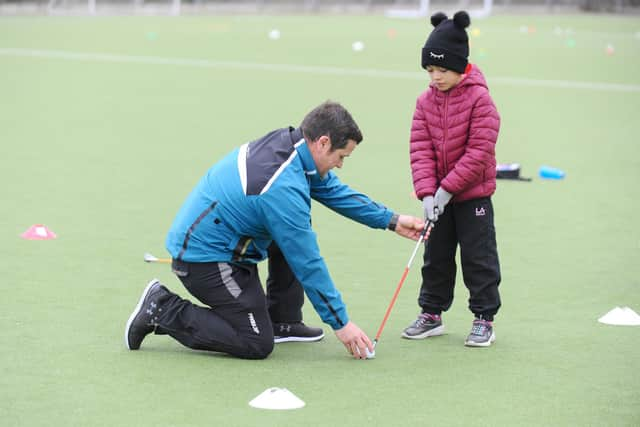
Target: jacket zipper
(446,129)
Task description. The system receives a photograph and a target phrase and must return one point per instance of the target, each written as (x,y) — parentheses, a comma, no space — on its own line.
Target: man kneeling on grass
(253,204)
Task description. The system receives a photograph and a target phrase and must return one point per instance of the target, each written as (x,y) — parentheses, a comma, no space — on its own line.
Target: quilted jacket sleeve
(422,153)
(479,152)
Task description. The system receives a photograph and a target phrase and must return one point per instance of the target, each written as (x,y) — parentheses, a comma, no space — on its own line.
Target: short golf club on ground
(150,258)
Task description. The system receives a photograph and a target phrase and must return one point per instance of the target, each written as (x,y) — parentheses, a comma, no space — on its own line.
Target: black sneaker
(144,318)
(426,325)
(481,335)
(296,332)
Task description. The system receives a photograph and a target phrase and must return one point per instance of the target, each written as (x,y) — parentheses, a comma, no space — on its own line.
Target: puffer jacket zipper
(445,133)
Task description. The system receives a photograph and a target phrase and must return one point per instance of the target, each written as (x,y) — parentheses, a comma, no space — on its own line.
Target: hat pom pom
(437,18)
(461,19)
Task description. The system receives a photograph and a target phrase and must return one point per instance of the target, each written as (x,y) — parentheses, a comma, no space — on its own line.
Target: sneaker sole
(492,339)
(278,340)
(430,333)
(136,311)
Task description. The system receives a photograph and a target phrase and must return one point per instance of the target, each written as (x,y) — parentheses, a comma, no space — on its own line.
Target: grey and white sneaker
(296,332)
(482,334)
(426,325)
(144,318)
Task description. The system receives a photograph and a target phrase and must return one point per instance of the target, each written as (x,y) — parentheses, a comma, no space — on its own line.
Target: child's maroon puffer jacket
(453,138)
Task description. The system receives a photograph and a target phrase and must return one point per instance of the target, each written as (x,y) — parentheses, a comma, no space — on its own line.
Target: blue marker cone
(548,172)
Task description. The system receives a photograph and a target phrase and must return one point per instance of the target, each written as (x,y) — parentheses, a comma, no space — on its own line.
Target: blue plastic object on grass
(548,172)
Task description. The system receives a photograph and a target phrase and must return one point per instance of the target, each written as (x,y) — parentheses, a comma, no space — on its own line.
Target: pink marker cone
(38,232)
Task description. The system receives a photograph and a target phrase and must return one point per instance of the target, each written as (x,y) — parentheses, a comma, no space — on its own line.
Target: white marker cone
(621,317)
(276,398)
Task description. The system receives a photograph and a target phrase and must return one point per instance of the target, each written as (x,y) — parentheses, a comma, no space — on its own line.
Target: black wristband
(393,223)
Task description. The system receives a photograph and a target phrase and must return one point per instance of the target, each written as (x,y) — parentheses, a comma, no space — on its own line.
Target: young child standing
(452,148)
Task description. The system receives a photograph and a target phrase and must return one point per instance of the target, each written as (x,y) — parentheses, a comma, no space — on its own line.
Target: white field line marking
(566,84)
(292,68)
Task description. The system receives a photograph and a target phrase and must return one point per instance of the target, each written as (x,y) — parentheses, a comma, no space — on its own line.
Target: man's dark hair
(333,120)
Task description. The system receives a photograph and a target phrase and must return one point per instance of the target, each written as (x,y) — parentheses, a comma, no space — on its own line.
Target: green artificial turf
(103,150)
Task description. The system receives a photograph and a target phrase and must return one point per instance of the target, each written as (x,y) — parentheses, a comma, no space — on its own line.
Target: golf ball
(357,46)
(274,34)
(370,354)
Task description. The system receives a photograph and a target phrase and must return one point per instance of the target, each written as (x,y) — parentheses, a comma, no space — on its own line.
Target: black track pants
(285,295)
(235,321)
(471,225)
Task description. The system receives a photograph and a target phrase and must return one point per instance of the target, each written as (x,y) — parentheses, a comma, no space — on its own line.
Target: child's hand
(441,199)
(429,212)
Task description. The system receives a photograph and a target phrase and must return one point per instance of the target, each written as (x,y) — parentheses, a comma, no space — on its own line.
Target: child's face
(443,78)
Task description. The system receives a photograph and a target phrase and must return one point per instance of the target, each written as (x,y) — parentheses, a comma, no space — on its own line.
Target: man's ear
(325,142)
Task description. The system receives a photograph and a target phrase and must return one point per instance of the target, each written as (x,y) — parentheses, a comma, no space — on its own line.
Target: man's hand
(409,227)
(429,212)
(441,199)
(355,340)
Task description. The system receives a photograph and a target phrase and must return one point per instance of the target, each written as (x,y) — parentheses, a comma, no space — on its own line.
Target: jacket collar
(302,148)
(473,77)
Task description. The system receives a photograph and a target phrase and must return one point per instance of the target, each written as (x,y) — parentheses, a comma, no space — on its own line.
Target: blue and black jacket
(259,193)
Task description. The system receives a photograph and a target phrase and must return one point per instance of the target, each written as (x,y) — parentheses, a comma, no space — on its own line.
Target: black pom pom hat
(448,43)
